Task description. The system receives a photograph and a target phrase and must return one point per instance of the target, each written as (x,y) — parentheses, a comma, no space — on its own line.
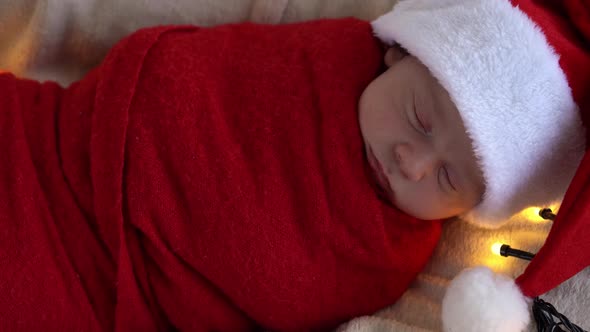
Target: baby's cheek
(423,204)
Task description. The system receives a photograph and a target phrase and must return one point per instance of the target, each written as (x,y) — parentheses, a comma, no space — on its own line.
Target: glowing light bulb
(532,214)
(496,248)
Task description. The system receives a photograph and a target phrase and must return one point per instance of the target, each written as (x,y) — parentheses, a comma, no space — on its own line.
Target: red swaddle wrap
(201,179)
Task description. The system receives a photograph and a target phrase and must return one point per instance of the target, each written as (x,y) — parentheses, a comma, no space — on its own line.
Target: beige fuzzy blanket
(61,39)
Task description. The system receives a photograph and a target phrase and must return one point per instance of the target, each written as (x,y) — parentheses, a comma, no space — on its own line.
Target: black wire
(550,320)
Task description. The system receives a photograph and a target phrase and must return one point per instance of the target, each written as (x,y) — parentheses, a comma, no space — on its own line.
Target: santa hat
(516,73)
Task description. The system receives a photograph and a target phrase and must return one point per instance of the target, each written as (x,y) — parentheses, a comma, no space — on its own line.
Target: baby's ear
(394,54)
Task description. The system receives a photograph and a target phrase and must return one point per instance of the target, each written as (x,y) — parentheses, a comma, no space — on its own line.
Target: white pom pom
(480,300)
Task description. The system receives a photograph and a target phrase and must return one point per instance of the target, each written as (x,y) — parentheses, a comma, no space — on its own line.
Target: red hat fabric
(514,86)
(566,25)
(567,248)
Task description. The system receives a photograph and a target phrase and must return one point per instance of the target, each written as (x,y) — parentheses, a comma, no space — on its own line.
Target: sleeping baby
(287,177)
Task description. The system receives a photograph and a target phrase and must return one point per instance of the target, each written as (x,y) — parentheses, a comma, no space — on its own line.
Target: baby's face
(416,142)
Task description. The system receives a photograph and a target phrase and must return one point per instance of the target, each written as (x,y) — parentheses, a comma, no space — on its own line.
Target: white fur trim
(479,300)
(513,97)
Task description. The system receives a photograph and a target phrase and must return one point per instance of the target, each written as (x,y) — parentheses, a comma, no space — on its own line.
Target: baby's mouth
(379,175)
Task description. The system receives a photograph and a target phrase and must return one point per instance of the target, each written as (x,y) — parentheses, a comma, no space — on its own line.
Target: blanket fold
(201,179)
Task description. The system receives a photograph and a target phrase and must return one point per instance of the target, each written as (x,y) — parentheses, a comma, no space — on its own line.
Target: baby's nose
(414,162)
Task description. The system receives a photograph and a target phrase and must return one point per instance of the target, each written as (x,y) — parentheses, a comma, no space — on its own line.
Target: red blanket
(200,179)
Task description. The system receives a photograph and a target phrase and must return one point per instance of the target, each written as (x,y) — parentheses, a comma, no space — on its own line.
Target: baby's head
(416,143)
(476,119)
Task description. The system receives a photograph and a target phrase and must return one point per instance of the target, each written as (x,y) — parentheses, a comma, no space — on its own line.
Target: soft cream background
(61,39)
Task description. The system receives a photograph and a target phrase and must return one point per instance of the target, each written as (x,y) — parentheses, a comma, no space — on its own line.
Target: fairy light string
(547,318)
